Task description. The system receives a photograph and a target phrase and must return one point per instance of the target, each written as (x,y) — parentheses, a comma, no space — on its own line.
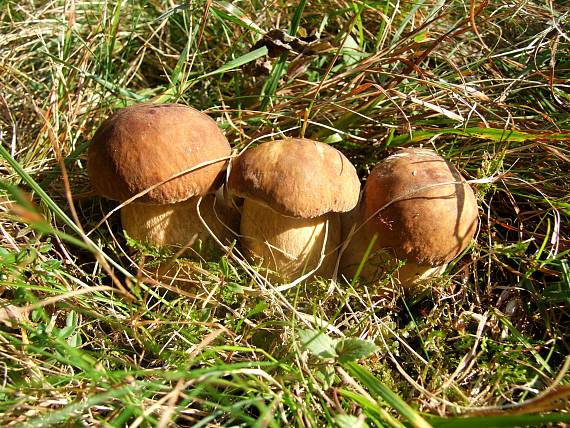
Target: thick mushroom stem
(290,246)
(179,224)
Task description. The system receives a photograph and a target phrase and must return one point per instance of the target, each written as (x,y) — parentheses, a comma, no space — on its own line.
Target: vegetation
(94,331)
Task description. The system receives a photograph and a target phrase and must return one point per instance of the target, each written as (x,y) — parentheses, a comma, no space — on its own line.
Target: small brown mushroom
(421,211)
(141,146)
(293,190)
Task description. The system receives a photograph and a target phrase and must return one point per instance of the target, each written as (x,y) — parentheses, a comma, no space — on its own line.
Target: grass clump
(90,335)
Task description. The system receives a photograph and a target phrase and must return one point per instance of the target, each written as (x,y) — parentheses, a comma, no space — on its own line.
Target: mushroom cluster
(165,164)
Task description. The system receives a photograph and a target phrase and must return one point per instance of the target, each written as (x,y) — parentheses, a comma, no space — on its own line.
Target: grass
(90,336)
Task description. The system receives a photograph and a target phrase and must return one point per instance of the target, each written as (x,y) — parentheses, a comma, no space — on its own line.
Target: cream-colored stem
(290,246)
(178,224)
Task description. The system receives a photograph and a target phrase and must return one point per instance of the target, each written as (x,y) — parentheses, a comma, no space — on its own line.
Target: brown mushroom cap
(296,177)
(145,144)
(432,212)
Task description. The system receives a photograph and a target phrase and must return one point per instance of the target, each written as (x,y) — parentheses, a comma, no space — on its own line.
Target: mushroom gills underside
(290,246)
(180,224)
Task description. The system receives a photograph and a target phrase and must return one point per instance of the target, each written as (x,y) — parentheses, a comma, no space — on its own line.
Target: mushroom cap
(422,207)
(145,144)
(296,177)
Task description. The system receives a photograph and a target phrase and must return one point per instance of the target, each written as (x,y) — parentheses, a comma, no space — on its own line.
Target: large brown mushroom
(421,211)
(141,146)
(293,190)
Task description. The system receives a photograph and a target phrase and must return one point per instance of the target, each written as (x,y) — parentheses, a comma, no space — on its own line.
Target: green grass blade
(112,35)
(238,62)
(364,260)
(28,213)
(272,82)
(296,21)
(501,421)
(38,190)
(380,391)
(234,14)
(72,157)
(116,89)
(407,18)
(521,339)
(177,72)
(172,11)
(372,409)
(492,134)
(67,413)
(54,208)
(230,66)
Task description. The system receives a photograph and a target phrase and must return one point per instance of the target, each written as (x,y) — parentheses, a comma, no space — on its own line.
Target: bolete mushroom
(421,211)
(147,148)
(293,190)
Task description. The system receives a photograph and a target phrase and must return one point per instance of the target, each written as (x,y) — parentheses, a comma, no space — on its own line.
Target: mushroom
(421,211)
(293,190)
(139,147)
